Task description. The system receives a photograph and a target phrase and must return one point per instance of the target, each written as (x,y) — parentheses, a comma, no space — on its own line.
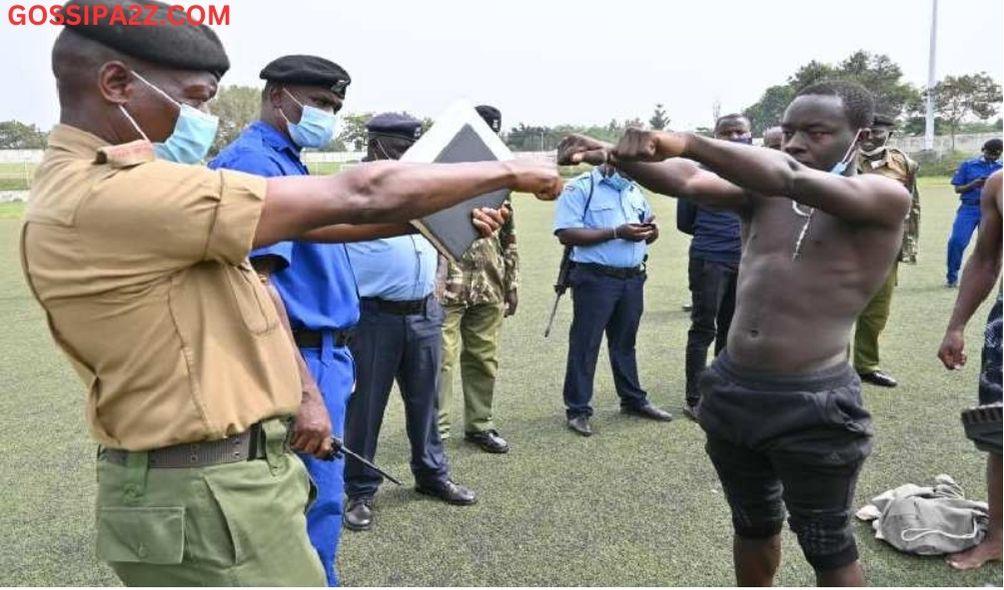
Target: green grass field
(637,504)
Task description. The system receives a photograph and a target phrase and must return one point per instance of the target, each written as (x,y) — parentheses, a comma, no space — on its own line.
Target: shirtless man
(982,270)
(781,406)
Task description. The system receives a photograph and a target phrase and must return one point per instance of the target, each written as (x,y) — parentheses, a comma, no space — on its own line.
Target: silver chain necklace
(808,216)
(805,228)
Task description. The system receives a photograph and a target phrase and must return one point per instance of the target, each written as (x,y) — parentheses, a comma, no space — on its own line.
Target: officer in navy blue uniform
(399,337)
(713,270)
(607,220)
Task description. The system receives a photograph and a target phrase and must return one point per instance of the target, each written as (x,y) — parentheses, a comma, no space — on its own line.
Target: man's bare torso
(796,316)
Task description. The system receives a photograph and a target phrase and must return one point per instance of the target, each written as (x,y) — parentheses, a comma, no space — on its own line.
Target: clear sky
(556,61)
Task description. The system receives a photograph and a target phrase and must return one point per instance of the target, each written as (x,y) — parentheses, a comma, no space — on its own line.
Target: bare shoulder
(993,190)
(884,187)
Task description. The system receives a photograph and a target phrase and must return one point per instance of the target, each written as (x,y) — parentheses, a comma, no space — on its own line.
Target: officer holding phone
(604,216)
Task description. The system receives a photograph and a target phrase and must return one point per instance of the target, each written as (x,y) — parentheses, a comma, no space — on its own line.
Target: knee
(825,538)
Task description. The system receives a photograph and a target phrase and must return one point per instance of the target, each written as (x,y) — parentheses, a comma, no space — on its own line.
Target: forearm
(963,188)
(978,278)
(346,233)
(586,236)
(666,178)
(767,172)
(400,192)
(682,178)
(377,192)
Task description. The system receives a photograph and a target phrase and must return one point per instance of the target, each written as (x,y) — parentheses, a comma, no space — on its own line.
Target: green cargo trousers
(235,524)
(870,324)
(474,330)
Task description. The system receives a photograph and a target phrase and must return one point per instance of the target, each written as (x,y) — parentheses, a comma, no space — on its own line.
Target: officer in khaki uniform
(139,259)
(876,157)
(476,294)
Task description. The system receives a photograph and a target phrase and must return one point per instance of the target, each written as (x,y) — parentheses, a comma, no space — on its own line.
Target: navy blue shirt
(315,281)
(969,171)
(716,236)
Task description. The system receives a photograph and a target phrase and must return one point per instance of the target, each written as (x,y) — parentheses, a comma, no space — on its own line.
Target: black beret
(883,120)
(309,70)
(491,115)
(395,125)
(185,47)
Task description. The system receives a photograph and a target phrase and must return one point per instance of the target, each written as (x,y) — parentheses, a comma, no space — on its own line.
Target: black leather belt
(315,338)
(613,271)
(407,307)
(246,446)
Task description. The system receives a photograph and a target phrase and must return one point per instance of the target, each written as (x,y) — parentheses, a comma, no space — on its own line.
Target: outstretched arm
(675,178)
(485,220)
(979,276)
(390,192)
(870,199)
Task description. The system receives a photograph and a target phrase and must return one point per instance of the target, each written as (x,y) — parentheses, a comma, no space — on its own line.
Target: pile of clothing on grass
(931,520)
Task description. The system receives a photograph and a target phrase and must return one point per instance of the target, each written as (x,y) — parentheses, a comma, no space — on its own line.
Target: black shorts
(795,441)
(990,369)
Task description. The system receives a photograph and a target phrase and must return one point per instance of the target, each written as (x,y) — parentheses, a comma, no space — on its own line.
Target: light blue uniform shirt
(397,269)
(608,208)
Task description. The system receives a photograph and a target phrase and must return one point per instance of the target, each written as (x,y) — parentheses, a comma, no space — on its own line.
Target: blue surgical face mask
(618,182)
(193,134)
(840,167)
(316,126)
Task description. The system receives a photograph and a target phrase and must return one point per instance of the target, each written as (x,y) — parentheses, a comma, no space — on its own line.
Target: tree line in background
(963,104)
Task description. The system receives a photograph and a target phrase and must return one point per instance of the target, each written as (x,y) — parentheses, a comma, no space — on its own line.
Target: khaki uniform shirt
(141,267)
(896,165)
(486,272)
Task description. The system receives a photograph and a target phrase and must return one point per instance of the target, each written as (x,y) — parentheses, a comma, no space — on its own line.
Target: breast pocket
(638,207)
(251,298)
(603,214)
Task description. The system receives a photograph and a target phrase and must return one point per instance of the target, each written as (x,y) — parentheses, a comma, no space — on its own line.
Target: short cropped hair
(859,103)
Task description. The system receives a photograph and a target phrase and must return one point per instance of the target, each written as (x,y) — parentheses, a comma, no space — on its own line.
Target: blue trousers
(334,371)
(408,349)
(967,219)
(601,303)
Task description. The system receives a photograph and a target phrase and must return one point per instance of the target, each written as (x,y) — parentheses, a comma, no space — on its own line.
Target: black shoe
(489,441)
(448,492)
(648,411)
(580,424)
(879,378)
(358,515)
(690,411)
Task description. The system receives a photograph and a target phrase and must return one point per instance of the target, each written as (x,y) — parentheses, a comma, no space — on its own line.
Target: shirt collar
(884,157)
(598,176)
(76,141)
(275,138)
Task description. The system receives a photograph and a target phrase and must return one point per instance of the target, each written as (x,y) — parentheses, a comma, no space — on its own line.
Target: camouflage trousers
(474,332)
(235,524)
(870,324)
